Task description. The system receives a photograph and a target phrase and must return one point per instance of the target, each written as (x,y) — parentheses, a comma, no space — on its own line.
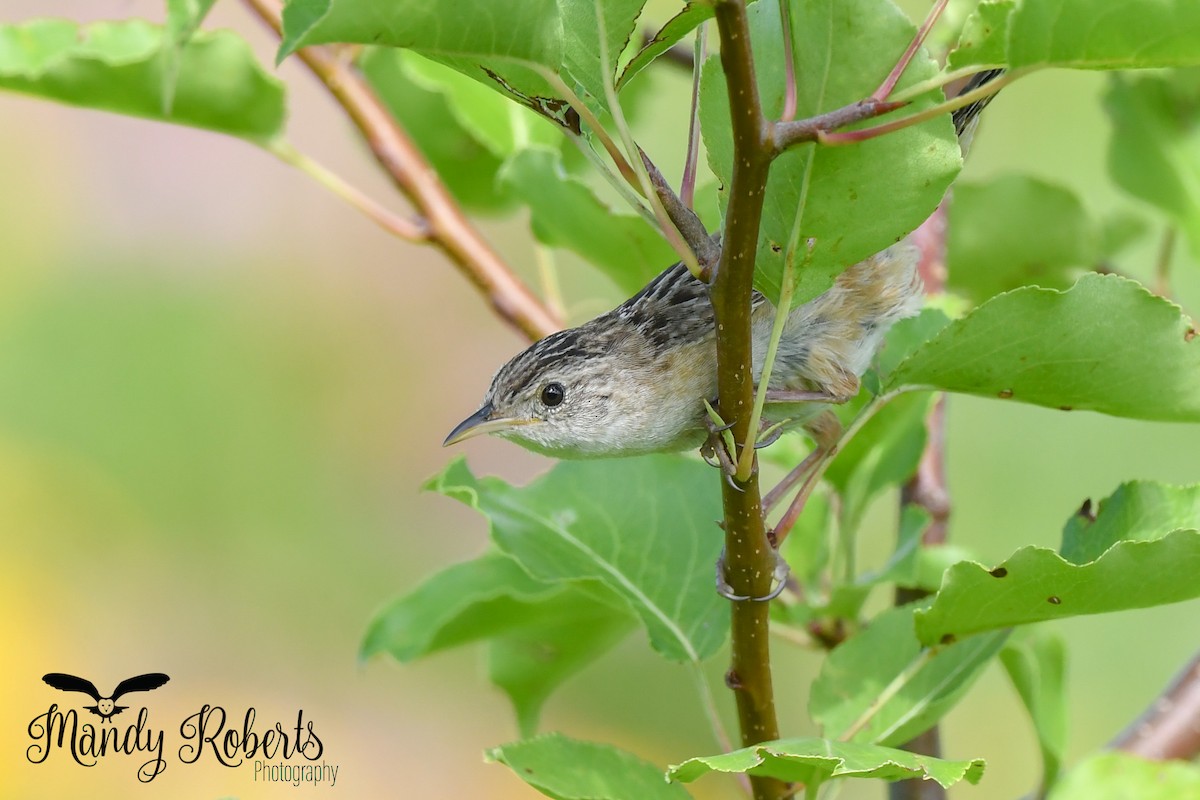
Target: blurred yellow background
(220,391)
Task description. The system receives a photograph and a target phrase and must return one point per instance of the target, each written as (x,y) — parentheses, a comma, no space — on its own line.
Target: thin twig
(448,228)
(889,83)
(828,137)
(1162,264)
(687,187)
(1170,727)
(789,62)
(411,230)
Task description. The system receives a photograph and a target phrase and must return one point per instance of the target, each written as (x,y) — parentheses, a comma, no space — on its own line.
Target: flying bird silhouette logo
(106,707)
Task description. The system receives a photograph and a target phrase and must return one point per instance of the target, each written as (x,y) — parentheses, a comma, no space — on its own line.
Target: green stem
(749,558)
(961,101)
(709,703)
(672,234)
(889,691)
(409,230)
(938,81)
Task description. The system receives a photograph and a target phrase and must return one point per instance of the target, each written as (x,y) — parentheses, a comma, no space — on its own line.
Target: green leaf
(117,66)
(581,47)
(1106,344)
(564,212)
(1036,584)
(540,634)
(814,761)
(853,201)
(466,602)
(463,158)
(846,697)
(183,20)
(1121,776)
(1017,231)
(1136,511)
(569,769)
(558,638)
(1035,662)
(500,43)
(983,39)
(504,44)
(1119,230)
(884,453)
(694,14)
(642,528)
(1101,34)
(1154,153)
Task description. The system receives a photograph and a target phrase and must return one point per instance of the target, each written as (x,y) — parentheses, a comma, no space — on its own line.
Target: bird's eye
(553,394)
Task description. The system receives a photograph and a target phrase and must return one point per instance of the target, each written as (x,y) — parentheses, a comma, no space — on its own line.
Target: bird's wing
(140,683)
(69,683)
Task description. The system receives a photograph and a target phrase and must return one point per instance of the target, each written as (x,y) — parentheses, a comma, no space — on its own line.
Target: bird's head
(557,397)
(105,705)
(587,392)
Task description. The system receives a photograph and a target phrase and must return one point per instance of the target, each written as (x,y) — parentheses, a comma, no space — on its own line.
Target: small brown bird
(633,381)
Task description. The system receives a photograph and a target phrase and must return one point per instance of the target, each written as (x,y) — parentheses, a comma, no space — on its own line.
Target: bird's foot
(779,576)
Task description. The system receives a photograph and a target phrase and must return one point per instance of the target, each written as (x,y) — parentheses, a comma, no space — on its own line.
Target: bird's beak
(482,421)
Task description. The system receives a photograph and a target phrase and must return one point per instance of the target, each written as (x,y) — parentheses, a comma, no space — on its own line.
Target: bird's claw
(778,579)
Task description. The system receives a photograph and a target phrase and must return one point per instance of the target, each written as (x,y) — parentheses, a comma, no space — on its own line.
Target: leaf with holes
(1106,344)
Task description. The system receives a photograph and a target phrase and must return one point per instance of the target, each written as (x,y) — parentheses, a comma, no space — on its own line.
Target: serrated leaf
(1106,344)
(464,161)
(814,761)
(857,672)
(1154,153)
(984,36)
(183,20)
(642,528)
(1036,584)
(1016,231)
(853,201)
(565,212)
(1101,34)
(1036,665)
(1121,776)
(1136,511)
(569,769)
(117,66)
(694,14)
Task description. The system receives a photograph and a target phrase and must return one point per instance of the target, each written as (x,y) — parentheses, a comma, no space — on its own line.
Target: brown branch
(791,133)
(1170,727)
(448,229)
(749,558)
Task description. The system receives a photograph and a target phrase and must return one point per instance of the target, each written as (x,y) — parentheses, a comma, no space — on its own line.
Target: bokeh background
(221,390)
